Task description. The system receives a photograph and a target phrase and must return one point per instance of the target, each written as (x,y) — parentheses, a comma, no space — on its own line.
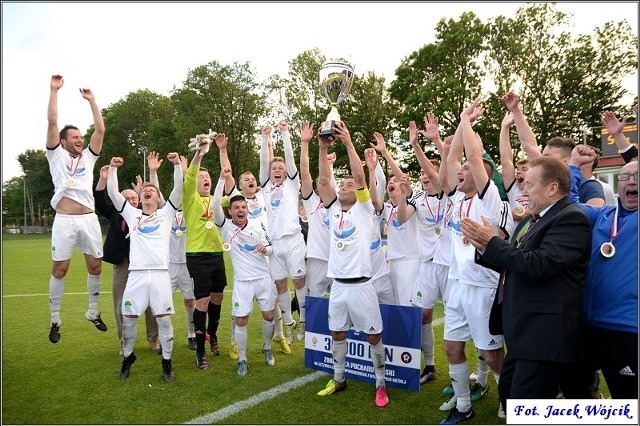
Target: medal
(465,242)
(438,230)
(339,245)
(70,182)
(226,247)
(178,233)
(519,210)
(208,224)
(607,249)
(304,218)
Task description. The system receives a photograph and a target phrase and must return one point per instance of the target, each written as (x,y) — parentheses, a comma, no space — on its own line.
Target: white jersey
(402,242)
(442,254)
(379,265)
(150,236)
(318,235)
(512,194)
(429,212)
(178,241)
(350,249)
(282,207)
(72,177)
(255,205)
(463,266)
(248,263)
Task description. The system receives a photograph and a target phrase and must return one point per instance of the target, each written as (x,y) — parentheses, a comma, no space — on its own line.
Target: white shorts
(180,279)
(288,259)
(316,279)
(383,288)
(403,273)
(467,316)
(244,291)
(354,305)
(71,230)
(148,288)
(430,285)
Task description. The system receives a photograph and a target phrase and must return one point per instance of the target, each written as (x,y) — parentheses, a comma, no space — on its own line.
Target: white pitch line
(232,409)
(65,294)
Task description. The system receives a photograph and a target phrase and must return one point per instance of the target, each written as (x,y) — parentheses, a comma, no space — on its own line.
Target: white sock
(129,333)
(284,301)
(427,343)
(277,318)
(339,357)
(301,294)
(56,287)
(459,374)
(377,356)
(233,329)
(165,334)
(191,329)
(241,340)
(93,286)
(483,372)
(268,328)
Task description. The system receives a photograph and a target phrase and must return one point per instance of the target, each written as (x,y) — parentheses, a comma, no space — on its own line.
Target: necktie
(123,225)
(534,218)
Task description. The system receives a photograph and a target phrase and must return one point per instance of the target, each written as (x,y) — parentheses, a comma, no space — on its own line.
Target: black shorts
(208,273)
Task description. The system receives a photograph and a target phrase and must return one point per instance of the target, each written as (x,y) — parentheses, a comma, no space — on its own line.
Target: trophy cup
(336,78)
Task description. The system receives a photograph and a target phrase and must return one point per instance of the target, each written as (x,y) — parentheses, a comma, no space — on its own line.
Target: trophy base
(326,129)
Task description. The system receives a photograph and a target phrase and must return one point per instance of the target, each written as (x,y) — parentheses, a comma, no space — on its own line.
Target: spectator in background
(587,173)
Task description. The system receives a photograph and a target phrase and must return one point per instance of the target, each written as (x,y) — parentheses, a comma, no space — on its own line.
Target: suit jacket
(116,246)
(541,314)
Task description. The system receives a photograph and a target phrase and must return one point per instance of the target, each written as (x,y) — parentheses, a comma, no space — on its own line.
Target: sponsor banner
(401,336)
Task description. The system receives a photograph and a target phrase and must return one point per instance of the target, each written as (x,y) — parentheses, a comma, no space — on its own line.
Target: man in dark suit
(539,299)
(116,252)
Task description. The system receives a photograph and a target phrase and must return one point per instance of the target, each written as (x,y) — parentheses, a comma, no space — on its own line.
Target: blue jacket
(611,287)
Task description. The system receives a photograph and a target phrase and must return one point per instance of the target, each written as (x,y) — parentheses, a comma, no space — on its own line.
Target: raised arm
(289,160)
(218,213)
(405,211)
(154,162)
(326,187)
(176,193)
(222,141)
(98,122)
(449,178)
(381,147)
(506,154)
(355,164)
(525,134)
(424,162)
(615,128)
(472,147)
(306,182)
(53,132)
(112,184)
(265,133)
(98,193)
(371,159)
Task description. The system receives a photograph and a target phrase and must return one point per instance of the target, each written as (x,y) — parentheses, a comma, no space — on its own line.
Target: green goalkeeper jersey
(202,233)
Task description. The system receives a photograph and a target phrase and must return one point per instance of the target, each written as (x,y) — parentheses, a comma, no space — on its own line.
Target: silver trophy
(336,78)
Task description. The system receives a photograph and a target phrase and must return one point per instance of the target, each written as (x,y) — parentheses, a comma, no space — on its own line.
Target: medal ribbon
(436,218)
(207,204)
(141,222)
(72,172)
(393,209)
(236,233)
(614,225)
(468,208)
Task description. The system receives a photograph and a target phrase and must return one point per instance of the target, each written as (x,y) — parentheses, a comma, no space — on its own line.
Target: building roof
(615,161)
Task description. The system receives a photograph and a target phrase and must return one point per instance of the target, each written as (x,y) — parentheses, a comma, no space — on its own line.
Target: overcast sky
(118,48)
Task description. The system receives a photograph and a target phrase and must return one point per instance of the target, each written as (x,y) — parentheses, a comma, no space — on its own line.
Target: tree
(441,77)
(39,185)
(565,82)
(227,99)
(13,200)
(141,122)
